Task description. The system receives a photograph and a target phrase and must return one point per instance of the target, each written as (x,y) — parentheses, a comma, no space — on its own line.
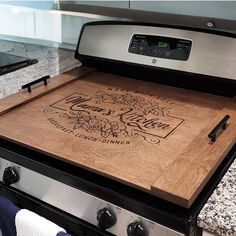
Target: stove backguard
(184,57)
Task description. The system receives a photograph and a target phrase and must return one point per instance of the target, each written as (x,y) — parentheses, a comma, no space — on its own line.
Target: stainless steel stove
(86,203)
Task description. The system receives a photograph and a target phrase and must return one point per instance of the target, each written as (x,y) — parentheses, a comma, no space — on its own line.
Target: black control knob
(105,218)
(136,229)
(10,176)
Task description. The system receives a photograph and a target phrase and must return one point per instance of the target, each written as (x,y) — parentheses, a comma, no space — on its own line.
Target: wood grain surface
(150,136)
(24,97)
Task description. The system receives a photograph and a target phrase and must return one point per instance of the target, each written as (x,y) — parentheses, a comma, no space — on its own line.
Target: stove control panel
(159,46)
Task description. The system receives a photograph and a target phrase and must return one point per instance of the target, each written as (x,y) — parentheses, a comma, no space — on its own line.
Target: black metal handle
(28,86)
(221,125)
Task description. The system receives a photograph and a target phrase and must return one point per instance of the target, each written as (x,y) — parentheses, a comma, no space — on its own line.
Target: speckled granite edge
(52,61)
(219,213)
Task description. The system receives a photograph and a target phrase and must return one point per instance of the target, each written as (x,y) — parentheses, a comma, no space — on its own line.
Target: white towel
(30,224)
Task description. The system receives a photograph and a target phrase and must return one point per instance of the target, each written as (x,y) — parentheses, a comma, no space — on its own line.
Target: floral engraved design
(115,116)
(134,101)
(82,120)
(91,124)
(113,129)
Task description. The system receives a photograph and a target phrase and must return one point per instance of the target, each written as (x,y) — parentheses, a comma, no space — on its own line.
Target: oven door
(47,198)
(73,225)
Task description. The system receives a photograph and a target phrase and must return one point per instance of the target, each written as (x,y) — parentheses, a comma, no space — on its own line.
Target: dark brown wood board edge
(223,144)
(23,97)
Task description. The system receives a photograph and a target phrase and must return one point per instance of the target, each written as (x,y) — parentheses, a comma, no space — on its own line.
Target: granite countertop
(219,213)
(51,61)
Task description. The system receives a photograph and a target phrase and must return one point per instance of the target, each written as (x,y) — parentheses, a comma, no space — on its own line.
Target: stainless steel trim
(211,54)
(78,203)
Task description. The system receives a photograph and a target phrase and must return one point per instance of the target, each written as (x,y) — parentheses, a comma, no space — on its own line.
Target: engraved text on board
(114,116)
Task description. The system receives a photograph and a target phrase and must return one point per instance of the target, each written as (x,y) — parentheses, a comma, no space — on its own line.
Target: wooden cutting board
(150,136)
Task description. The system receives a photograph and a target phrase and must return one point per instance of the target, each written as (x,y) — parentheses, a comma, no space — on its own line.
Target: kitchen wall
(35,21)
(43,4)
(42,26)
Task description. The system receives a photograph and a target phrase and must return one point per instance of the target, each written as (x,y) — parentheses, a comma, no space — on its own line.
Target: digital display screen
(163,45)
(160,46)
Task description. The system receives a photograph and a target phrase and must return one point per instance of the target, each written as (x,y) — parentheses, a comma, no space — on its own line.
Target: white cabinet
(30,23)
(16,21)
(53,26)
(71,26)
(48,26)
(43,4)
